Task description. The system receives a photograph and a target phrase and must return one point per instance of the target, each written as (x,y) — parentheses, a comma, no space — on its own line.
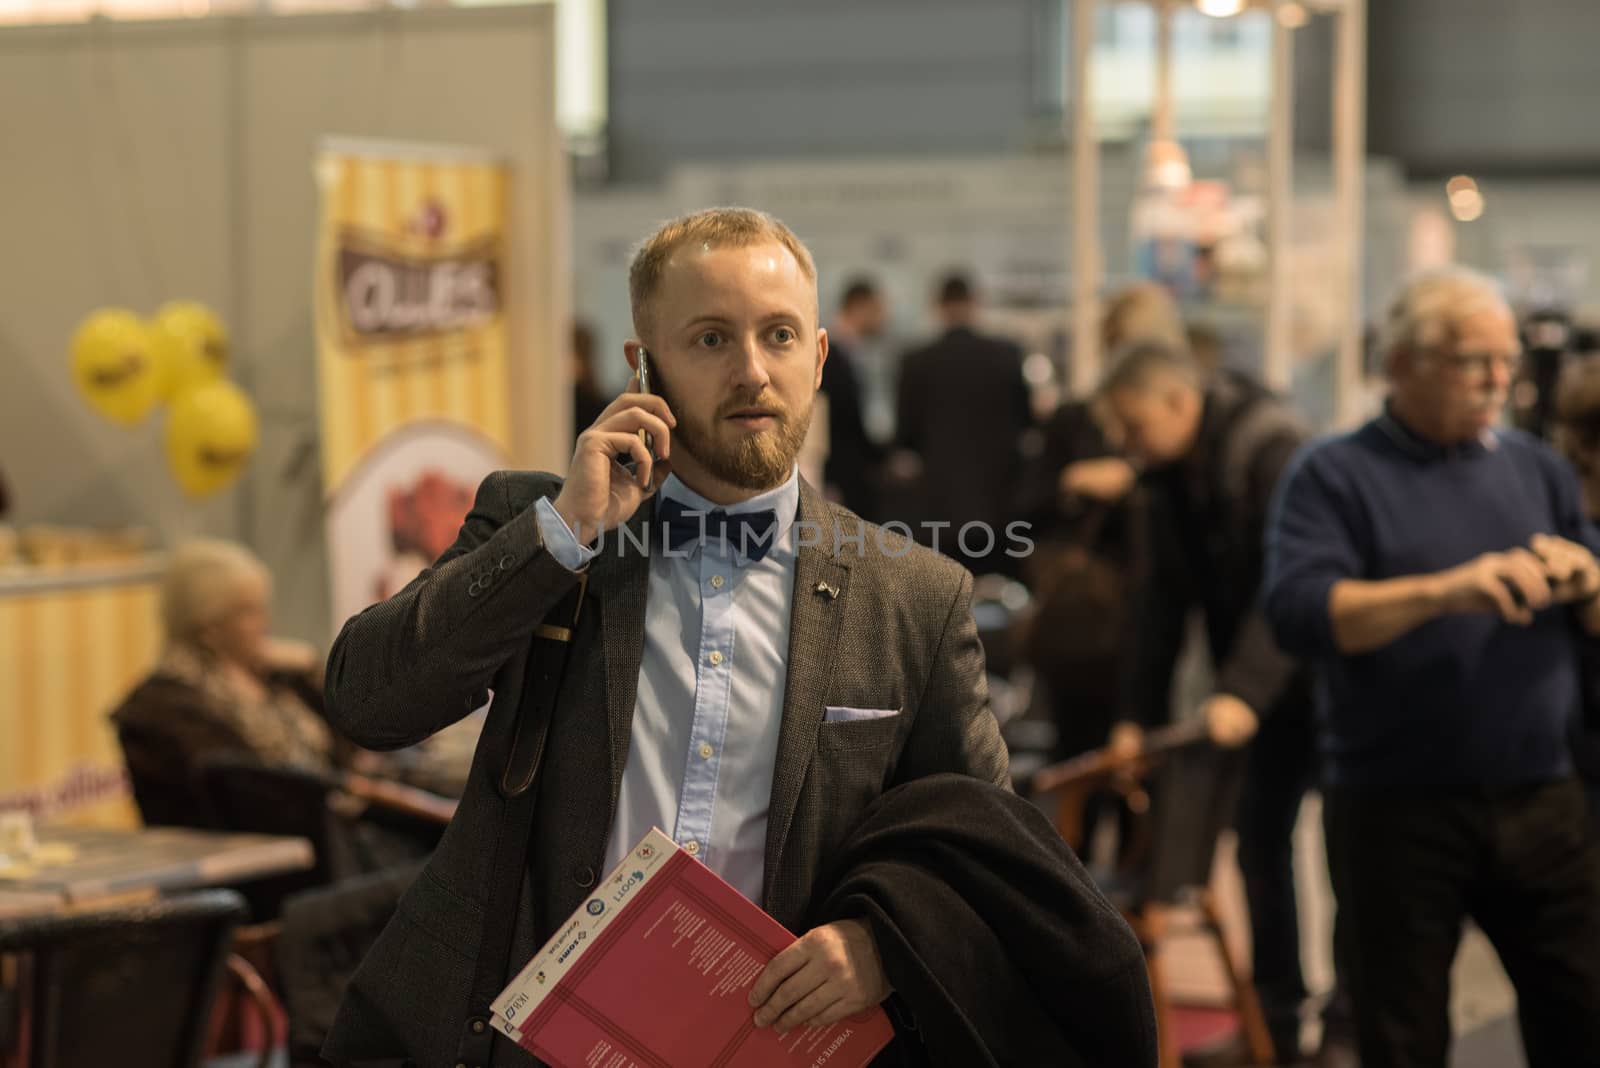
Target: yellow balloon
(192,345)
(115,367)
(211,434)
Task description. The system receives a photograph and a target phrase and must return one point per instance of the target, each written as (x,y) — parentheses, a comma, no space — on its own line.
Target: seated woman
(223,688)
(226,692)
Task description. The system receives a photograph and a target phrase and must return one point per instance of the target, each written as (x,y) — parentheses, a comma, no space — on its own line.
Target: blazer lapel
(621,574)
(821,587)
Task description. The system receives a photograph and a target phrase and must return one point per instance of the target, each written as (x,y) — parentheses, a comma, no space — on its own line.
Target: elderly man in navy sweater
(1439,569)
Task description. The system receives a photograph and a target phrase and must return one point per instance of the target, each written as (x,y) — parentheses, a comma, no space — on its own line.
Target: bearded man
(735,660)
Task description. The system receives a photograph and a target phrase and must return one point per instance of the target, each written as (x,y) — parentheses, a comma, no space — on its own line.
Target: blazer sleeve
(955,730)
(408,667)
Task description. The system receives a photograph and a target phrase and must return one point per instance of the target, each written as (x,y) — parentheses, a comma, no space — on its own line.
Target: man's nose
(750,366)
(1500,374)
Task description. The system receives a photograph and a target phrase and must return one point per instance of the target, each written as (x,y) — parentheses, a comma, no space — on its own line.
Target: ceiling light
(1220,9)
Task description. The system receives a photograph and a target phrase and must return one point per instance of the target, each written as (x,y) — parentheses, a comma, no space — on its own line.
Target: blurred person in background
(1142,311)
(851,472)
(588,399)
(1577,436)
(1077,492)
(225,689)
(963,407)
(1212,448)
(1206,346)
(1438,569)
(1087,522)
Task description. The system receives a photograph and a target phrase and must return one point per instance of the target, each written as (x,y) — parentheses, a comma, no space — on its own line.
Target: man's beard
(758,461)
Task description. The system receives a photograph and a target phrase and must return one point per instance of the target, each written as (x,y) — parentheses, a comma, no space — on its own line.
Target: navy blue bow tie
(750,534)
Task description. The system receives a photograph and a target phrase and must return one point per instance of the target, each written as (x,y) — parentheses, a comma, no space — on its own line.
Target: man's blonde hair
(202,584)
(710,228)
(1428,310)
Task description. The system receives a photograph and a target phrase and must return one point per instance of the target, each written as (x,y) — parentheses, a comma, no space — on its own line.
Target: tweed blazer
(892,629)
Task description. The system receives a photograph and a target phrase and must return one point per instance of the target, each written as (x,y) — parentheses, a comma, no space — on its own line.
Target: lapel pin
(831,591)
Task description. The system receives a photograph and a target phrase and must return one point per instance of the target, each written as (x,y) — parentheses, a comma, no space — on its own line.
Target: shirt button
(706,750)
(717,581)
(692,848)
(715,658)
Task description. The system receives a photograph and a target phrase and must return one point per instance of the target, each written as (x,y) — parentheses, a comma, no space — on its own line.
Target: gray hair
(1139,363)
(201,583)
(1430,306)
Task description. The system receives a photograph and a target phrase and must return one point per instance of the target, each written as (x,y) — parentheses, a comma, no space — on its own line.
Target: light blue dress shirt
(711,684)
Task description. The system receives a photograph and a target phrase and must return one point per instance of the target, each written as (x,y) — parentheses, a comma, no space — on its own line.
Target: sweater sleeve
(1311,545)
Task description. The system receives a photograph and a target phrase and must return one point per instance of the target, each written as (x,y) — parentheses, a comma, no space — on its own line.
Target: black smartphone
(644,387)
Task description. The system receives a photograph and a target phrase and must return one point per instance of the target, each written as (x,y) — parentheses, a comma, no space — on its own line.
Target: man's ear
(630,351)
(822,357)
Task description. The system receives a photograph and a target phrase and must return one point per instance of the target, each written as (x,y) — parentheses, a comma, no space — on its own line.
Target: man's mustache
(765,401)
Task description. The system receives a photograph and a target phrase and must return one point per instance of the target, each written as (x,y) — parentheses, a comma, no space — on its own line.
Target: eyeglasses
(1481,364)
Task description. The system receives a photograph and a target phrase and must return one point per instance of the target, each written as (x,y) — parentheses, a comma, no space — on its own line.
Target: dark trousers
(1280,766)
(1411,866)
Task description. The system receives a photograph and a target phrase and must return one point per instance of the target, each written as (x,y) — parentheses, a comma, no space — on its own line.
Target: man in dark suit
(853,456)
(963,406)
(750,687)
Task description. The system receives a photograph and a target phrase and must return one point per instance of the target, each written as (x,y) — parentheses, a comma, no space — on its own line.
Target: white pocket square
(843,714)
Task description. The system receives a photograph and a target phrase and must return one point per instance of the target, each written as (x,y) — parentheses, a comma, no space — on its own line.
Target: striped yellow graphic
(431,216)
(67,658)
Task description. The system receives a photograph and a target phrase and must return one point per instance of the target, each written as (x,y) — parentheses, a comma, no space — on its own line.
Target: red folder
(655,971)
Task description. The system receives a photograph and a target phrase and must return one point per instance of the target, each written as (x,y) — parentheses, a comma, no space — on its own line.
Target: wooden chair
(1181,791)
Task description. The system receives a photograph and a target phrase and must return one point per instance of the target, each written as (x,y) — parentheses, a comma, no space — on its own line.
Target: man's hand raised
(599,493)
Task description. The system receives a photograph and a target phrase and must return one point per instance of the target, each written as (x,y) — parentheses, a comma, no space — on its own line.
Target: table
(114,865)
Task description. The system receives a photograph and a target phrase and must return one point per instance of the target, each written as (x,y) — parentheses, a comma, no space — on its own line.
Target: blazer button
(583,876)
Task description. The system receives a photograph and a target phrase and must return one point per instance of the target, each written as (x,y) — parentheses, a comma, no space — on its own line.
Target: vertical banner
(412,361)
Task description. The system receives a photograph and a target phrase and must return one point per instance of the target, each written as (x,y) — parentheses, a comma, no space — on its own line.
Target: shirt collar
(783,500)
(1417,447)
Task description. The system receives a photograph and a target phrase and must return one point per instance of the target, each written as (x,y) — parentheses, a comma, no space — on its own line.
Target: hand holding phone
(619,461)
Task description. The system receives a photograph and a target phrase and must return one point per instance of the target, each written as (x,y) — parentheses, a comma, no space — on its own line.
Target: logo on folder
(596,907)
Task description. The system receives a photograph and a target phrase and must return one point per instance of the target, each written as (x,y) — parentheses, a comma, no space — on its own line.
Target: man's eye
(785,335)
(710,339)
